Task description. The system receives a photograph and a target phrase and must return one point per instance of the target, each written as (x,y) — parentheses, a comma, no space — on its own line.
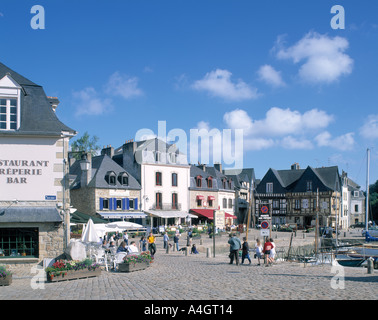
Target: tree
(85,144)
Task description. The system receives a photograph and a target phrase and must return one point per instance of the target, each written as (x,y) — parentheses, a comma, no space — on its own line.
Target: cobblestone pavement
(175,276)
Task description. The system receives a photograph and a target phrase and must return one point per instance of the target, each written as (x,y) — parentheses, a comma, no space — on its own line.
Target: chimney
(86,169)
(218,166)
(202,167)
(295,166)
(109,151)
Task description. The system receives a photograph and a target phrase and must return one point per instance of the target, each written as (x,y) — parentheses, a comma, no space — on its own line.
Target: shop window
(19,242)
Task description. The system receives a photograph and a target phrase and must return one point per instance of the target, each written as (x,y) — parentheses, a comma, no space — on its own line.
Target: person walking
(126,238)
(259,249)
(272,254)
(143,244)
(267,248)
(176,241)
(235,246)
(245,251)
(165,240)
(151,244)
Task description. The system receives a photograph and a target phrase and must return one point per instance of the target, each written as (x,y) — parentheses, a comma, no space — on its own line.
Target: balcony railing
(166,206)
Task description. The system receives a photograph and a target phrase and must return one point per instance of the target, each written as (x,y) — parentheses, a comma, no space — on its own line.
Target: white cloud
(270,76)
(1,14)
(343,142)
(324,57)
(258,143)
(122,85)
(369,130)
(290,142)
(89,103)
(278,122)
(218,83)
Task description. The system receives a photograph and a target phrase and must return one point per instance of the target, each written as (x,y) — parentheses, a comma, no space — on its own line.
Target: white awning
(119,215)
(169,214)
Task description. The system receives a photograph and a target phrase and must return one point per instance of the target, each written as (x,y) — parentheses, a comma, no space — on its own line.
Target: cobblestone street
(175,276)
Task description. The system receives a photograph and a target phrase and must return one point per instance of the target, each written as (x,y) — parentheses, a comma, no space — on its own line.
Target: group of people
(267,252)
(176,239)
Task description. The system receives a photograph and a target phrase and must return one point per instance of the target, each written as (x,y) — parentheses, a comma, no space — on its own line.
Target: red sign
(264,225)
(264,209)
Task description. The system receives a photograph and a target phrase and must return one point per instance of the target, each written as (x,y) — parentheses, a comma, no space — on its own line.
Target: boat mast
(367,191)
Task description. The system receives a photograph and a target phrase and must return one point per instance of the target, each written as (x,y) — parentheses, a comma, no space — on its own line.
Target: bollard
(304,236)
(201,242)
(370,265)
(186,251)
(208,252)
(344,234)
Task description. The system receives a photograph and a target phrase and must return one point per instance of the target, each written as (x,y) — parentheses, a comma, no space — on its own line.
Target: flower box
(6,281)
(130,267)
(63,270)
(74,274)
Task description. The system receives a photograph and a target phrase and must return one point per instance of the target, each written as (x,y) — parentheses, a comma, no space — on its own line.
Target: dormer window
(111,178)
(210,182)
(123,179)
(224,181)
(199,182)
(9,104)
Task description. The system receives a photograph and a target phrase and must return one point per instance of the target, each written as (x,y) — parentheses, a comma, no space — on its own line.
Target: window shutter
(123,204)
(127,204)
(110,203)
(101,203)
(114,203)
(136,203)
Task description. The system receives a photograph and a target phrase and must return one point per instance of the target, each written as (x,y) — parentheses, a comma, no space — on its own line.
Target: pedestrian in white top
(126,238)
(272,254)
(259,249)
(133,248)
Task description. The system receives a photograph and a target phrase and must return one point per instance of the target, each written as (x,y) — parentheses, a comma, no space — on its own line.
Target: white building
(33,148)
(164,175)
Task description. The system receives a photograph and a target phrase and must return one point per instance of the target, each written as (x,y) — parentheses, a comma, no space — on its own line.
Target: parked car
(358,225)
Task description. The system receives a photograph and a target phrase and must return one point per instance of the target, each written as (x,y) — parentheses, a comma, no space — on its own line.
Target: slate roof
(101,165)
(29,214)
(37,115)
(209,172)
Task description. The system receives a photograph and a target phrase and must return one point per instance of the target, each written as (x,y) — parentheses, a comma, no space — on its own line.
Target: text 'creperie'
(11,168)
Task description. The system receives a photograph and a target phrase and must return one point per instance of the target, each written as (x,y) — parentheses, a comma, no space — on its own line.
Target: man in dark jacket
(235,246)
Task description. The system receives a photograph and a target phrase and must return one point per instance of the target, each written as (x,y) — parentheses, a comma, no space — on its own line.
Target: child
(259,249)
(245,251)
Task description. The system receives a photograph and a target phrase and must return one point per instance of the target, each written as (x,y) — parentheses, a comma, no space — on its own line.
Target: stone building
(34,199)
(101,188)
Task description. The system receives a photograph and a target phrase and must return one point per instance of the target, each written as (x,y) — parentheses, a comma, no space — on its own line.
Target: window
(110,178)
(224,203)
(224,181)
(308,185)
(173,157)
(356,208)
(8,114)
(131,203)
(174,201)
(105,204)
(210,203)
(158,200)
(174,179)
(297,204)
(269,187)
(199,202)
(210,182)
(276,204)
(123,179)
(16,242)
(229,184)
(199,182)
(158,179)
(157,156)
(355,194)
(229,203)
(119,204)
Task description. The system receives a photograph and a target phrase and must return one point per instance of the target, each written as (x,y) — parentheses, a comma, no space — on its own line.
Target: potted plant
(5,276)
(135,262)
(68,270)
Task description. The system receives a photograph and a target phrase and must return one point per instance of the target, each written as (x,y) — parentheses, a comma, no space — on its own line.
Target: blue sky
(301,91)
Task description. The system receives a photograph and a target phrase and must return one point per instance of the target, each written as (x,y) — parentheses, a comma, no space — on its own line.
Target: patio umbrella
(124,225)
(90,234)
